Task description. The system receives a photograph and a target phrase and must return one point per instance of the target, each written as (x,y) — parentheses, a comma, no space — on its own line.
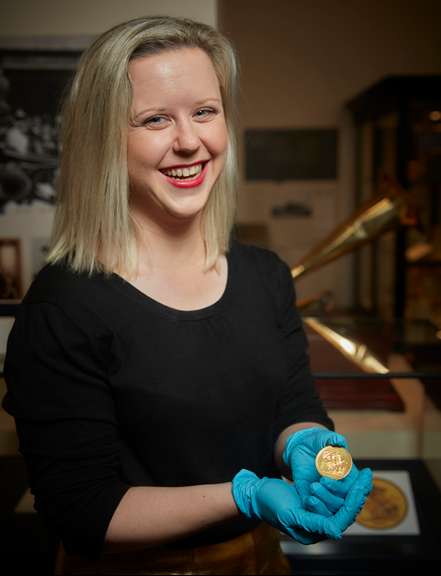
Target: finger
(336,440)
(318,439)
(317,523)
(355,500)
(302,536)
(332,502)
(302,487)
(340,487)
(316,506)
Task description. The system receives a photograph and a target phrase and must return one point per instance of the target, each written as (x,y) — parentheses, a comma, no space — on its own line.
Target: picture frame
(33,75)
(11,285)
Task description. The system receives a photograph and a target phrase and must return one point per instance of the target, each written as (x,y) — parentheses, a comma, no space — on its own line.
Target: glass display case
(398,127)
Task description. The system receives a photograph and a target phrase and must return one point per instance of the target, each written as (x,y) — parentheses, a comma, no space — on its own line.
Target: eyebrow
(198,103)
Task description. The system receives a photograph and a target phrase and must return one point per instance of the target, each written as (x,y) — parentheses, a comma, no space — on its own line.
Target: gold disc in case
(385,507)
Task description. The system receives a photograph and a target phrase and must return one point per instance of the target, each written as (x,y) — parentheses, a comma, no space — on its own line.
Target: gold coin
(334,462)
(385,507)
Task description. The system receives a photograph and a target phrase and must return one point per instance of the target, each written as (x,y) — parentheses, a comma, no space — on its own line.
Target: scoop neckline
(185,315)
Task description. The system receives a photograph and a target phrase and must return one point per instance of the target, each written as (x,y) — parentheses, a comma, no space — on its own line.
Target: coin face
(334,462)
(385,507)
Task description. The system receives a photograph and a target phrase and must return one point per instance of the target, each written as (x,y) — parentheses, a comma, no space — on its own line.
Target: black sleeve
(300,401)
(65,415)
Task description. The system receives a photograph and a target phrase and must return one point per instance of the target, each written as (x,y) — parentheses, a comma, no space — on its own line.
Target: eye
(155,121)
(205,113)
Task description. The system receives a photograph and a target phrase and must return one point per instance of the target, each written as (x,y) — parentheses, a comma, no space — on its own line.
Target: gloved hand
(320,495)
(277,503)
(327,496)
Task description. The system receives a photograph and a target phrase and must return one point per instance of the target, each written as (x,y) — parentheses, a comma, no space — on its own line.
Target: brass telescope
(388,209)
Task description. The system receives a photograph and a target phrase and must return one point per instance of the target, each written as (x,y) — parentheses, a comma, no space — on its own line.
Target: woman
(157,372)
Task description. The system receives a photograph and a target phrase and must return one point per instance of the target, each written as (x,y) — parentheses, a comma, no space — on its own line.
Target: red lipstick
(188,183)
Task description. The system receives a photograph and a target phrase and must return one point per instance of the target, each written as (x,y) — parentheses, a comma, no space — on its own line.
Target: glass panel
(377,379)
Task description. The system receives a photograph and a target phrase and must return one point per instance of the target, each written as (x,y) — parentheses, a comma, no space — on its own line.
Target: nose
(187,140)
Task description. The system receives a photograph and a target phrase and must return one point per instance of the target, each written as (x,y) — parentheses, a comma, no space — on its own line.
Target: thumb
(336,440)
(244,486)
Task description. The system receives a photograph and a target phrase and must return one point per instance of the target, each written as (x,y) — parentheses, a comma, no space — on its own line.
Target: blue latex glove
(317,495)
(277,503)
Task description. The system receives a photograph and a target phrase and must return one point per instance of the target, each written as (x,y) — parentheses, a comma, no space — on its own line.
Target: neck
(170,246)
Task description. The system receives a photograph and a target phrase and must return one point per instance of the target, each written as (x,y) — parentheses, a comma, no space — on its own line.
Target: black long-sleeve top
(111,389)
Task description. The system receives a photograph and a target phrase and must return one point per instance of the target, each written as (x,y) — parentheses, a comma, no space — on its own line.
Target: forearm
(151,516)
(279,447)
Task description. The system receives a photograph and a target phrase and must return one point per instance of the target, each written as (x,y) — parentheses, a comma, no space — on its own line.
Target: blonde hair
(93,225)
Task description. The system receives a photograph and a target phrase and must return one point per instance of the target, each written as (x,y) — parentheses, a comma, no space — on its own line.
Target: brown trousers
(256,552)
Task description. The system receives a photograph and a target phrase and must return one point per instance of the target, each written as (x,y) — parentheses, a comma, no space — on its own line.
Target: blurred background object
(398,128)
(387,210)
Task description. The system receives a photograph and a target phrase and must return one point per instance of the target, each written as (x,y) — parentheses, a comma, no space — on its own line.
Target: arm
(69,434)
(300,402)
(66,422)
(152,516)
(297,444)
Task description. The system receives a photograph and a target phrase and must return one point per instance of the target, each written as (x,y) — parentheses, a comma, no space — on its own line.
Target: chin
(185,212)
(185,215)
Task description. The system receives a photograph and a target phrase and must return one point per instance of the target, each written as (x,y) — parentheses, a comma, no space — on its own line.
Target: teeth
(191,172)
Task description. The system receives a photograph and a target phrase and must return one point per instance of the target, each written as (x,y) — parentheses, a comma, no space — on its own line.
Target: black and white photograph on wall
(31,87)
(10,269)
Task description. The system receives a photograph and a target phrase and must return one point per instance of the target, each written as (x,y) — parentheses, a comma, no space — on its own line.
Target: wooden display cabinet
(398,131)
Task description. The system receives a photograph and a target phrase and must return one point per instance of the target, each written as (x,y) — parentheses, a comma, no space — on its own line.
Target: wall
(301,61)
(41,23)
(73,17)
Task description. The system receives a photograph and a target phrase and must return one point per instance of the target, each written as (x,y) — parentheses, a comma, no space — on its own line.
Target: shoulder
(56,284)
(50,281)
(269,268)
(260,259)
(55,281)
(69,314)
(84,299)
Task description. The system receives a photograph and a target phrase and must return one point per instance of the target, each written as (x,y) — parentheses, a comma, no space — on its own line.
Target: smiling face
(177,140)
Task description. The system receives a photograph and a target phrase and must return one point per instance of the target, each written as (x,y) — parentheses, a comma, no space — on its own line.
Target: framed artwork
(10,269)
(32,81)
